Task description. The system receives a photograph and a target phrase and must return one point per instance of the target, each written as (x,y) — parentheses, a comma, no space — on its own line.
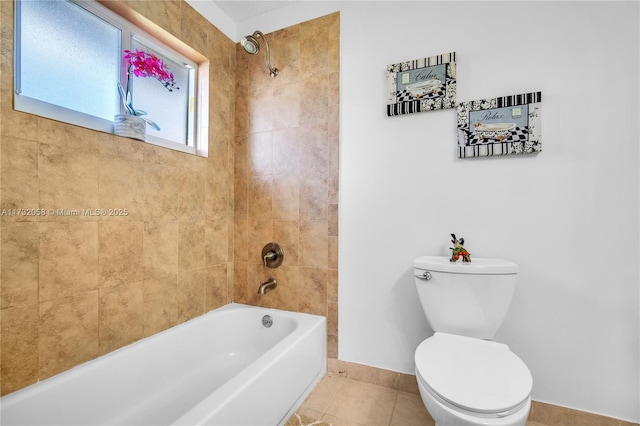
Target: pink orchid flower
(144,64)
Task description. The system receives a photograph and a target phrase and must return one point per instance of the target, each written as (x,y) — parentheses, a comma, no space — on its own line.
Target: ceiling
(240,10)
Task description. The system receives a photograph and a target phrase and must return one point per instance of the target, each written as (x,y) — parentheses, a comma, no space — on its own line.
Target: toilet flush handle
(426,275)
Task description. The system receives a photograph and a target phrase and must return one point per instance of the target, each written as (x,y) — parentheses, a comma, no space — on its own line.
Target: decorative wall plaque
(500,126)
(422,85)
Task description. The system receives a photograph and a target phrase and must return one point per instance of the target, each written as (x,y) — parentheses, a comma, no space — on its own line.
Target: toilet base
(447,416)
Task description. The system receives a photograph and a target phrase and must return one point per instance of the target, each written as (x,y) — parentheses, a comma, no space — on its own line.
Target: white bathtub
(223,368)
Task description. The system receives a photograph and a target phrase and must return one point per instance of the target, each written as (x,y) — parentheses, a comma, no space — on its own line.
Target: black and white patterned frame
(500,126)
(403,100)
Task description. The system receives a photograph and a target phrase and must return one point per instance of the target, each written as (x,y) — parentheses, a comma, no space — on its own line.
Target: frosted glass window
(69,61)
(169,110)
(68,57)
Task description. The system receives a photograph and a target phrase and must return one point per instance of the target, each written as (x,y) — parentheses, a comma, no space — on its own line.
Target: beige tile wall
(286,170)
(73,288)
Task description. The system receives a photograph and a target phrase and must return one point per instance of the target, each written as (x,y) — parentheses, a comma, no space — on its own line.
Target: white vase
(129,126)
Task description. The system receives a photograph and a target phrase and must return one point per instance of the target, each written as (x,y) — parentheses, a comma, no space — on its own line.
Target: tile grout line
(395,404)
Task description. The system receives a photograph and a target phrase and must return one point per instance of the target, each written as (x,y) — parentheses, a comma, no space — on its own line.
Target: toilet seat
(473,375)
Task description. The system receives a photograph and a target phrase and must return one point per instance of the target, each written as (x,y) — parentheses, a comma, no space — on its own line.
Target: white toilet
(463,377)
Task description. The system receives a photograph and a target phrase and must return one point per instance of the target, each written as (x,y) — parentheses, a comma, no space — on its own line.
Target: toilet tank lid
(478,265)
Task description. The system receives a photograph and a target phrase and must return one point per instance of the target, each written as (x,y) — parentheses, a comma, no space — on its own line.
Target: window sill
(71,117)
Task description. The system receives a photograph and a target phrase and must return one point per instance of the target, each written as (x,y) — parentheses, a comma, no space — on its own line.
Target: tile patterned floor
(339,401)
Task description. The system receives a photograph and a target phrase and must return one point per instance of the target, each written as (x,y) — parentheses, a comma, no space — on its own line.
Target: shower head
(250,45)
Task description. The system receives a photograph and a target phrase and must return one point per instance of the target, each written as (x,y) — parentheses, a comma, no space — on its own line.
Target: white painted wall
(568,216)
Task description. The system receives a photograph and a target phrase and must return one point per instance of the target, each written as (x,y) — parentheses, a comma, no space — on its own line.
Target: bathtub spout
(269,284)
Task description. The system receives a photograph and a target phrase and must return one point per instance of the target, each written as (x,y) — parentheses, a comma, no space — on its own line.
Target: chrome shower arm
(273,71)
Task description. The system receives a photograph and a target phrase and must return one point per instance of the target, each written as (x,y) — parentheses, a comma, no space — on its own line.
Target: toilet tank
(468,299)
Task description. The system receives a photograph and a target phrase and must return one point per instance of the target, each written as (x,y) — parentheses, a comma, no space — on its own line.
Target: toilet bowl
(464,378)
(468,381)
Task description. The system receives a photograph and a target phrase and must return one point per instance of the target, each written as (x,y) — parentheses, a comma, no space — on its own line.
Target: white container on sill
(129,126)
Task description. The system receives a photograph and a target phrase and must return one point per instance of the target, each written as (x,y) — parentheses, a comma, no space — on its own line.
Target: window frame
(119,16)
(191,109)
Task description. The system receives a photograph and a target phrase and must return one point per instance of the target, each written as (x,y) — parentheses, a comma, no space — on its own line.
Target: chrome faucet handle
(269,256)
(272,255)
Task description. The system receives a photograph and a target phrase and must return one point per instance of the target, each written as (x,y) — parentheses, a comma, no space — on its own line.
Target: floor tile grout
(407,408)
